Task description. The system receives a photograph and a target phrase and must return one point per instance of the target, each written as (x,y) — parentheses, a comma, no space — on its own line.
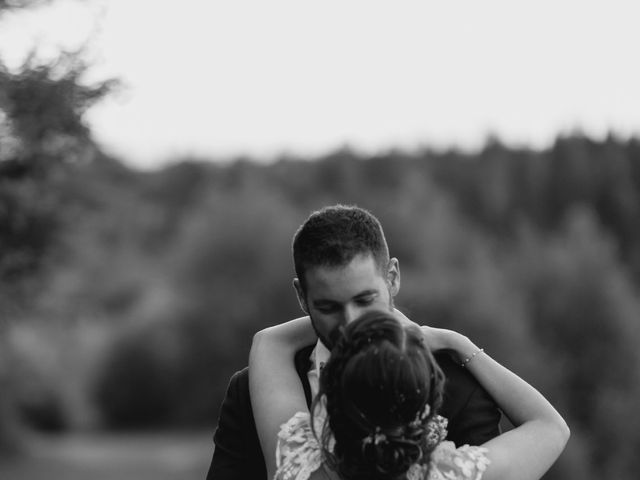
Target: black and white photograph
(337,240)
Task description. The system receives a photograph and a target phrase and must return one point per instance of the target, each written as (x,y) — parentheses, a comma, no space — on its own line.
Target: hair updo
(379,381)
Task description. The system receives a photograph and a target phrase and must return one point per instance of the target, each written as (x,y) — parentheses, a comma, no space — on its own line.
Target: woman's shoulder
(464,463)
(300,422)
(298,452)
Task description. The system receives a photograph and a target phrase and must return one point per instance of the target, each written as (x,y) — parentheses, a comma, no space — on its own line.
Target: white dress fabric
(299,454)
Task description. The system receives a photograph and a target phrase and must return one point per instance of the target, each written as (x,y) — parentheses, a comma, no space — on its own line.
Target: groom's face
(335,296)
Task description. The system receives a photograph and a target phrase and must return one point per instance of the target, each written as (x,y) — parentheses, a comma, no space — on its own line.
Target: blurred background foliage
(128,298)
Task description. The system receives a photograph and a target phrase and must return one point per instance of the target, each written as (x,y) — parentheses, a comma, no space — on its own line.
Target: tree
(42,136)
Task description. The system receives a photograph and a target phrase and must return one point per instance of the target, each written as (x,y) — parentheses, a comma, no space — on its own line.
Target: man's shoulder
(239,381)
(240,375)
(237,452)
(473,415)
(460,383)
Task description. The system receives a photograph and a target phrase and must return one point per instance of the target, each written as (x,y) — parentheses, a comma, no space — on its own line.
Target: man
(343,269)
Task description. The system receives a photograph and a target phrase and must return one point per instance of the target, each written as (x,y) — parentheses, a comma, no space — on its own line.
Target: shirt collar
(319,356)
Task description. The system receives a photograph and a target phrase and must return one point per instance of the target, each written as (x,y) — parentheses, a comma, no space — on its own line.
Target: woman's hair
(382,386)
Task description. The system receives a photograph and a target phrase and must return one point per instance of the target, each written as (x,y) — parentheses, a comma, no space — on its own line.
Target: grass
(169,456)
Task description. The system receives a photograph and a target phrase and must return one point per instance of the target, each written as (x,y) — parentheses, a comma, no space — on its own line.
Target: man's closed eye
(328,310)
(364,301)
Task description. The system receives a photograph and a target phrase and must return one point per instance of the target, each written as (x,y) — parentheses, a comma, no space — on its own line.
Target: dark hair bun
(393,456)
(382,386)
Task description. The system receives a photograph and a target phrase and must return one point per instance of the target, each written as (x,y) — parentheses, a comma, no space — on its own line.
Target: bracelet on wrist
(466,361)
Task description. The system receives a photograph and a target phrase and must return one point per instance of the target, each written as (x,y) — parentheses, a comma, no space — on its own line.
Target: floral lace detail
(298,453)
(451,463)
(417,472)
(436,431)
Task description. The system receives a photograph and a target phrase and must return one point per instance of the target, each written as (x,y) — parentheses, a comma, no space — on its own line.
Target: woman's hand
(403,319)
(438,339)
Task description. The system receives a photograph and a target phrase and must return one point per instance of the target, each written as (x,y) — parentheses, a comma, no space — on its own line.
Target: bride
(376,412)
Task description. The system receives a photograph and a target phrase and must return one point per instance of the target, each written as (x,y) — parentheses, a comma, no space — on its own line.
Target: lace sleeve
(298,453)
(464,463)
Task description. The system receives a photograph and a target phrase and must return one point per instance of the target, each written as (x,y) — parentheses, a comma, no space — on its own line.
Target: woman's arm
(274,386)
(527,451)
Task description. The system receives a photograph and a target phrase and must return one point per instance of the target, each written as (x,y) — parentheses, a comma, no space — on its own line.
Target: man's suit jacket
(473,419)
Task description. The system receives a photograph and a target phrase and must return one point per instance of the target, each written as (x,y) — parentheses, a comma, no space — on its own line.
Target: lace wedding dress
(298,455)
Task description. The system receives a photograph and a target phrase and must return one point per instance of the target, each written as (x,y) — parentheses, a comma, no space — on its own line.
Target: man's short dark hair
(333,236)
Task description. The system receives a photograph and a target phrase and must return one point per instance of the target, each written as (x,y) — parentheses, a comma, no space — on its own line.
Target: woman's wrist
(462,348)
(454,343)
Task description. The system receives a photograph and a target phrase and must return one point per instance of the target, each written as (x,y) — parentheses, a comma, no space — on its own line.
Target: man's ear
(300,294)
(393,276)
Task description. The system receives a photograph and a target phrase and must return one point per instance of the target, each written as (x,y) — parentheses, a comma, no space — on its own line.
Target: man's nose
(351,312)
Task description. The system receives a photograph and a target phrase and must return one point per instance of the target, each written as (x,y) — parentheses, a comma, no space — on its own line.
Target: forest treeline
(127,297)
(130,297)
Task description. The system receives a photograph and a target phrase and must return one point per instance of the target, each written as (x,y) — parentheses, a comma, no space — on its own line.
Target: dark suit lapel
(303,364)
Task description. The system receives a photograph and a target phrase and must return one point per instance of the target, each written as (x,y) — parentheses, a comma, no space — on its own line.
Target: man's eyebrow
(366,293)
(326,301)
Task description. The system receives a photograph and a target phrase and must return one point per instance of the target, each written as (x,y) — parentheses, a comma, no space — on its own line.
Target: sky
(262,78)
